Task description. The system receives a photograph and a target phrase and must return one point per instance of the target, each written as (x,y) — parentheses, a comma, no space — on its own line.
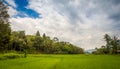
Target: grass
(63,62)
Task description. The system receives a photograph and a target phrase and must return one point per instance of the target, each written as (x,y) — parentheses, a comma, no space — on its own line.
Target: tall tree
(37,33)
(108,42)
(5,29)
(44,36)
(114,44)
(23,41)
(37,42)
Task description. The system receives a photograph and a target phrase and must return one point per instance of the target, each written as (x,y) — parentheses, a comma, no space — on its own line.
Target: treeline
(41,44)
(18,41)
(112,46)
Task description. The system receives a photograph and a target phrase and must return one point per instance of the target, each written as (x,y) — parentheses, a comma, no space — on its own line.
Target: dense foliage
(4,27)
(41,44)
(112,46)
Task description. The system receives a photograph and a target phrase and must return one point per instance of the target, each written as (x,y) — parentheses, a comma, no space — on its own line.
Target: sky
(80,22)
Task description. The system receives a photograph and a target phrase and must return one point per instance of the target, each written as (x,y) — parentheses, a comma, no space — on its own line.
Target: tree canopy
(5,29)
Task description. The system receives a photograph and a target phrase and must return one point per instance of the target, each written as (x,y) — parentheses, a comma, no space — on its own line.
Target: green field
(63,62)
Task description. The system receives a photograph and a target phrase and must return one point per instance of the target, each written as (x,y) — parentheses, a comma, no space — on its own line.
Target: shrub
(2,58)
(11,55)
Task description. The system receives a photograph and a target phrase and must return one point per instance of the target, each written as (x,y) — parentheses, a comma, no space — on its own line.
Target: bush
(2,58)
(11,55)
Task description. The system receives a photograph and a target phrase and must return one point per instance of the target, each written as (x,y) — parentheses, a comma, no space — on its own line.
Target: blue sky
(24,12)
(81,22)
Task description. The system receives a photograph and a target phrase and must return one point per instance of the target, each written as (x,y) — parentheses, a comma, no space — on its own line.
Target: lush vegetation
(4,27)
(22,43)
(10,56)
(41,44)
(63,62)
(112,46)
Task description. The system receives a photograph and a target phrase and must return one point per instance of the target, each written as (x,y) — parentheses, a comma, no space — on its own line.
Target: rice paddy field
(63,62)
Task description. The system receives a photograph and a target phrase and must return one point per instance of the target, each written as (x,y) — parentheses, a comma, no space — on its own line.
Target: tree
(37,33)
(19,42)
(23,38)
(5,29)
(112,45)
(108,41)
(44,36)
(14,41)
(37,42)
(22,41)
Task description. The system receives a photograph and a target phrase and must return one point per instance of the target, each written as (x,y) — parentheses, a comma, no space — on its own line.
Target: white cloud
(12,8)
(11,3)
(12,11)
(80,22)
